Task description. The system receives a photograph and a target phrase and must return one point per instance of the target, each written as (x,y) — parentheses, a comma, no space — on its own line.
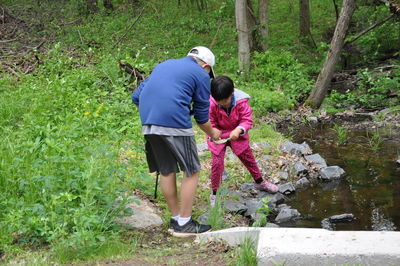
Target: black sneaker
(172,224)
(190,228)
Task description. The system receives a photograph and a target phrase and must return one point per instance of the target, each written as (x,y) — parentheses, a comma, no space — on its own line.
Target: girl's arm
(246,117)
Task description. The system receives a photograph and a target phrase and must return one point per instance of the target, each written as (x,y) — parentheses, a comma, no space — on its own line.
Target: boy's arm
(210,131)
(138,91)
(201,103)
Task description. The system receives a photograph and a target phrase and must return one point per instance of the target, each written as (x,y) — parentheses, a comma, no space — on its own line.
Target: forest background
(71,139)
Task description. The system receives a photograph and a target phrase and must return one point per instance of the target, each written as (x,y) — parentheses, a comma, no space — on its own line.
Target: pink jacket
(240,116)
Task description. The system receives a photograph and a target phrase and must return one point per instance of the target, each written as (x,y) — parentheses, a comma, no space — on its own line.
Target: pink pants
(218,165)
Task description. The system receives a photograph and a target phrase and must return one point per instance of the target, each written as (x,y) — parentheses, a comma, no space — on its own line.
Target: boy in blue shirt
(175,90)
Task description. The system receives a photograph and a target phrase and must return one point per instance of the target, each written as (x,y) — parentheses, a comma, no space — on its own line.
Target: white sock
(175,217)
(182,221)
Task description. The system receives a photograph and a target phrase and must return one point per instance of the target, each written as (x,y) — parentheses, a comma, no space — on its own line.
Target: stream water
(370,190)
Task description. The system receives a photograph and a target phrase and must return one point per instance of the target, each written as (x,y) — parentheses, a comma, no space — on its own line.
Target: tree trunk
(244,34)
(108,4)
(263,16)
(251,25)
(92,6)
(304,19)
(324,78)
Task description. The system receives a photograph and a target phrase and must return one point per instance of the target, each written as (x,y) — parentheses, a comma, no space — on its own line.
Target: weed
(216,215)
(246,253)
(374,140)
(380,117)
(262,212)
(341,133)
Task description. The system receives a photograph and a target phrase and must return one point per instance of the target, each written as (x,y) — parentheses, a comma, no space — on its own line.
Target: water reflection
(370,190)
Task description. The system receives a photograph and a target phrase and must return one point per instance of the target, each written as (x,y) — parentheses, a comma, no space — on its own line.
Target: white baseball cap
(205,55)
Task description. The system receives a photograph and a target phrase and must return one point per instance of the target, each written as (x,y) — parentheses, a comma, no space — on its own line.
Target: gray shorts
(172,154)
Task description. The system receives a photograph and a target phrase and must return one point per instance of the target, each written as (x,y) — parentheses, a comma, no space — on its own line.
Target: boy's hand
(215,134)
(235,133)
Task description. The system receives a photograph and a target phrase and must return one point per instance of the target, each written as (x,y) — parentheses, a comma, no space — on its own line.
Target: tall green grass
(71,145)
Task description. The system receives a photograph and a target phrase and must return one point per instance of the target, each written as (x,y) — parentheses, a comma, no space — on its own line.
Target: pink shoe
(266,186)
(212,200)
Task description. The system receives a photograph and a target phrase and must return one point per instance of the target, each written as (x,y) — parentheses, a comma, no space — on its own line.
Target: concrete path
(306,246)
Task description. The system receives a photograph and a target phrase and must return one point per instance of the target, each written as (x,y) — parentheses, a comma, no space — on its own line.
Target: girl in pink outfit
(230,112)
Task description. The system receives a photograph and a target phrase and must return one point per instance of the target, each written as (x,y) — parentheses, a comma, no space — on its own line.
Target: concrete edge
(233,236)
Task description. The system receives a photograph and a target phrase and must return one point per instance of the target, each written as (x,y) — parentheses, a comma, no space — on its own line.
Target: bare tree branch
(370,28)
(6,41)
(130,27)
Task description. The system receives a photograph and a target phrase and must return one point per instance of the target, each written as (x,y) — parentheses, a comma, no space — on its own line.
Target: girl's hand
(235,133)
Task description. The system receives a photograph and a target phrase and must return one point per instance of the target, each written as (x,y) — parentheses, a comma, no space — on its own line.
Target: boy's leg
(188,192)
(247,158)
(168,187)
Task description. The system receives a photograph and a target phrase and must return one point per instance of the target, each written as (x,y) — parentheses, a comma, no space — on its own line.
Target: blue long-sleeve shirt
(176,89)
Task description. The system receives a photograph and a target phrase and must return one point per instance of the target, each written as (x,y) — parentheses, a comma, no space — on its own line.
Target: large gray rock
(294,148)
(260,145)
(144,216)
(263,194)
(326,224)
(203,219)
(300,169)
(235,207)
(252,206)
(316,159)
(248,188)
(283,175)
(331,173)
(286,188)
(286,215)
(302,183)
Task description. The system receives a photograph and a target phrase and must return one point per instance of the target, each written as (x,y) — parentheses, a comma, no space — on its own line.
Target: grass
(263,211)
(342,133)
(246,253)
(375,140)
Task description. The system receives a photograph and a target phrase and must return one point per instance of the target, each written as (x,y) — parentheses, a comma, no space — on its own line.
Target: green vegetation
(342,133)
(71,140)
(263,212)
(373,93)
(246,253)
(374,140)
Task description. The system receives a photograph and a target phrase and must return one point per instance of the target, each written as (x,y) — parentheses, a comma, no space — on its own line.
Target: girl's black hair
(221,88)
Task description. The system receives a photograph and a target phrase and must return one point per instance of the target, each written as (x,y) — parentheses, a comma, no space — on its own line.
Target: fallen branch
(138,75)
(70,23)
(215,35)
(130,27)
(370,28)
(6,41)
(6,13)
(80,37)
(11,69)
